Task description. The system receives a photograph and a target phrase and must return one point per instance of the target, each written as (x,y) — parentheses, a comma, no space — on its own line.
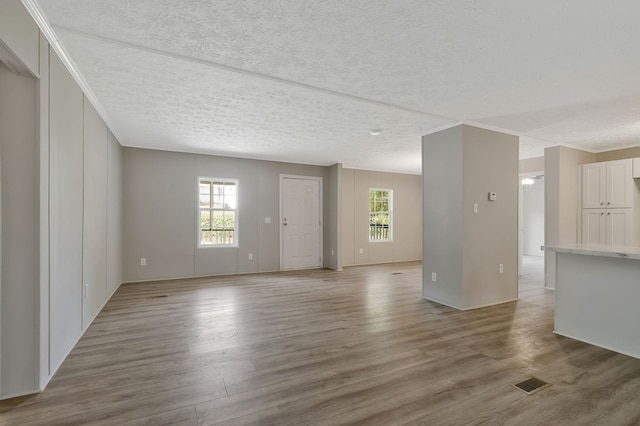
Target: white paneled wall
(66,186)
(94,235)
(18,159)
(114,215)
(61,187)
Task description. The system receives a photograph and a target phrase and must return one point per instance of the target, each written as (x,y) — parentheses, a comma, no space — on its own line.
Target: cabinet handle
(602,204)
(608,202)
(608,213)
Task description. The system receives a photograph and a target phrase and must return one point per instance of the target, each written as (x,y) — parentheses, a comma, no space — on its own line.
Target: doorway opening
(531,223)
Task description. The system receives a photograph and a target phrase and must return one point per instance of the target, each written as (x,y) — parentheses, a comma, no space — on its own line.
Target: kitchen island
(598,295)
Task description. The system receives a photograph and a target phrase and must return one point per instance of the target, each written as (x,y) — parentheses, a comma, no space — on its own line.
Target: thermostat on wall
(492,196)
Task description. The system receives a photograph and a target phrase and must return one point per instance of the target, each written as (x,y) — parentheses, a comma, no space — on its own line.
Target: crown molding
(47,30)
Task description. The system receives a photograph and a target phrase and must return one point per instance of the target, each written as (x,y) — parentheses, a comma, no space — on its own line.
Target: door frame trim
(281,212)
(521,219)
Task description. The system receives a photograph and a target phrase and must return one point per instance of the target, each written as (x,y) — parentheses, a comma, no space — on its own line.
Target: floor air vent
(396,273)
(531,385)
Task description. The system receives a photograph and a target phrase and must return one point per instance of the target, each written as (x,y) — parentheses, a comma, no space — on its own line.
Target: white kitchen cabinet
(594,226)
(594,186)
(608,185)
(611,204)
(607,227)
(619,223)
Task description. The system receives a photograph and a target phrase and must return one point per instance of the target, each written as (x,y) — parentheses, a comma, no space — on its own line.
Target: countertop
(597,250)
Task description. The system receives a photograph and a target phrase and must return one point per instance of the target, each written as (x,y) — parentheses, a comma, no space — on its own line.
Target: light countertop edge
(620,252)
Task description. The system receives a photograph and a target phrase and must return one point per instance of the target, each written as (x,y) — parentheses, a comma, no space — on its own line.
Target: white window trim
(236,231)
(390,191)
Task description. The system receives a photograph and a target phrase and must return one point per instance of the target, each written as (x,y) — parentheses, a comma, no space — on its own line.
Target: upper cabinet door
(594,185)
(619,184)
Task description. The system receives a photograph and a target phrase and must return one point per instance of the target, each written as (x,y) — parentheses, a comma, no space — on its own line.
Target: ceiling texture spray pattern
(308,81)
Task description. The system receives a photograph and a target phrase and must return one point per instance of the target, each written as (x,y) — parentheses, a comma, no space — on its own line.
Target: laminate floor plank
(322,347)
(181,417)
(373,392)
(243,405)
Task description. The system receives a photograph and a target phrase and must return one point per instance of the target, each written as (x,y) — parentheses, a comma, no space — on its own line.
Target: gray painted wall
(442,174)
(618,154)
(531,165)
(44,314)
(19,191)
(407,217)
(490,236)
(461,165)
(65,201)
(160,214)
(561,200)
(333,219)
(19,35)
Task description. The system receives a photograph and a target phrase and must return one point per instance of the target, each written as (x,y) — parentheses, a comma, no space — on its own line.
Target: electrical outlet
(250,256)
(361,251)
(475,207)
(333,252)
(143,261)
(86,290)
(501,268)
(433,277)
(267,220)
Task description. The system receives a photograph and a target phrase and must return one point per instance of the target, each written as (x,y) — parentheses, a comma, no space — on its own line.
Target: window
(218,212)
(380,214)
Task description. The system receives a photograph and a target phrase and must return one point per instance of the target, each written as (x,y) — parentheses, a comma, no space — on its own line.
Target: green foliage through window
(218,201)
(380,214)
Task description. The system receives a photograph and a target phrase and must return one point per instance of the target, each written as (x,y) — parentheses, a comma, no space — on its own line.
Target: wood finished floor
(325,348)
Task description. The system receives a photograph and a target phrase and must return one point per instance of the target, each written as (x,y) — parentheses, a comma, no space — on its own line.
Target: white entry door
(300,225)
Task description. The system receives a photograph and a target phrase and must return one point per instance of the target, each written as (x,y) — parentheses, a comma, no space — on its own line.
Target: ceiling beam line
(252,74)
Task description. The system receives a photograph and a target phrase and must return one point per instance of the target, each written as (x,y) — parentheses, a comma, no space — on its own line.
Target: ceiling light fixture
(527,181)
(375,132)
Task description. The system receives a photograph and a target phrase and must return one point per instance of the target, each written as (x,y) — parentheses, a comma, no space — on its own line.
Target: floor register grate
(531,385)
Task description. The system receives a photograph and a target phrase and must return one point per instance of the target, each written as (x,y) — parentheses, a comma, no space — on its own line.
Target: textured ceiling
(307,81)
